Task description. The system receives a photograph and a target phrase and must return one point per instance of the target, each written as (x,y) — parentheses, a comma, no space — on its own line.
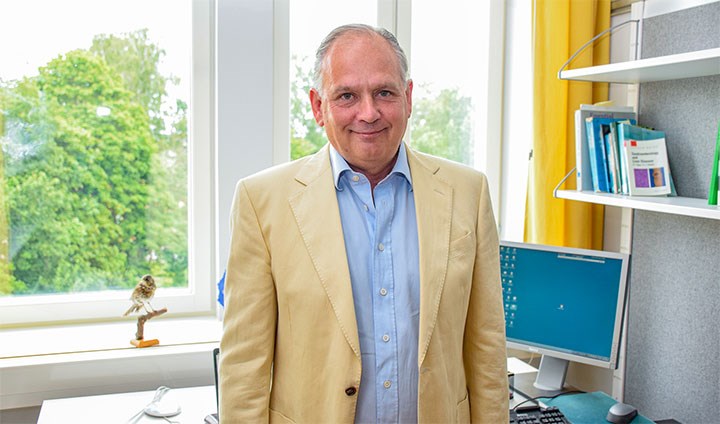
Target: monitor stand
(551,374)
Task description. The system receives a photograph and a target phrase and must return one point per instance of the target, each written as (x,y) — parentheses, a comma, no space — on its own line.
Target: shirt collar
(339,165)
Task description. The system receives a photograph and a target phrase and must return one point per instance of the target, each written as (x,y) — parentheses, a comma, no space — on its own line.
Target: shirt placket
(384,307)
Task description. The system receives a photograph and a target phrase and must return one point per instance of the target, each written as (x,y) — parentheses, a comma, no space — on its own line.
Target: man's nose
(369,110)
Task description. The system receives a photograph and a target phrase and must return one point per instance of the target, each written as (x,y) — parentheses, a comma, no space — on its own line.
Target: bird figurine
(143,293)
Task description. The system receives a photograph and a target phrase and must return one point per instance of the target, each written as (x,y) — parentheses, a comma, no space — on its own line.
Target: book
(646,160)
(583,171)
(613,161)
(597,128)
(714,191)
(598,161)
(622,166)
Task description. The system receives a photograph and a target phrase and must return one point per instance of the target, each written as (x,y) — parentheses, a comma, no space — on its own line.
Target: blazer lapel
(433,209)
(317,214)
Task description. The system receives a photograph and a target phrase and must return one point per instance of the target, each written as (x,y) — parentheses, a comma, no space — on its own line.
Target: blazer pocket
(277,417)
(463,245)
(463,410)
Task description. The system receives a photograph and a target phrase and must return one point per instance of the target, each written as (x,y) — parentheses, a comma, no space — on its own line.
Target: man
(363,282)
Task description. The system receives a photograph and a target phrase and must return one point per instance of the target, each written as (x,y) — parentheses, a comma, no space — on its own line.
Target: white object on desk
(196,403)
(516,366)
(162,406)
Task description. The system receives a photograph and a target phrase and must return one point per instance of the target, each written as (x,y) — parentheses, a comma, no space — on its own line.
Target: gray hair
(324,47)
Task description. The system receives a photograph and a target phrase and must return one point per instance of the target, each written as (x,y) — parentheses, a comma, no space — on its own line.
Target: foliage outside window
(440,122)
(93,172)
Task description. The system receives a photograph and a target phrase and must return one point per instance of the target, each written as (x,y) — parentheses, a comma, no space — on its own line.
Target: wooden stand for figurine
(144,343)
(139,340)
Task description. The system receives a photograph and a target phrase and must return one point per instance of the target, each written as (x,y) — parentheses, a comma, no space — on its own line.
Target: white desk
(196,403)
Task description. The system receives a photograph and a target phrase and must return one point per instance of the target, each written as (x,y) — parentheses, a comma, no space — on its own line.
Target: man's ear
(316,104)
(408,96)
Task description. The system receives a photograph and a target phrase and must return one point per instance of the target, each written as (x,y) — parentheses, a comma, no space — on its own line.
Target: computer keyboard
(534,414)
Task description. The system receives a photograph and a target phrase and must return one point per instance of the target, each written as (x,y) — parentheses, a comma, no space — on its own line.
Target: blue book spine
(598,159)
(592,154)
(599,128)
(613,180)
(620,158)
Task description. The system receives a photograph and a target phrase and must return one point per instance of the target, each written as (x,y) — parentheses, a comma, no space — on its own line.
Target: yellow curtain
(560,27)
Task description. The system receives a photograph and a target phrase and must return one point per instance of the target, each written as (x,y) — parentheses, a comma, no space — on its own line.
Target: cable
(536,398)
(157,397)
(159,393)
(523,394)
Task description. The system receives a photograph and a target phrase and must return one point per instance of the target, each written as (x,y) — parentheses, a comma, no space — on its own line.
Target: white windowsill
(86,359)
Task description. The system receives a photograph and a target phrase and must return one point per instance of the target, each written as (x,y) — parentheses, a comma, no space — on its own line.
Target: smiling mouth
(369,133)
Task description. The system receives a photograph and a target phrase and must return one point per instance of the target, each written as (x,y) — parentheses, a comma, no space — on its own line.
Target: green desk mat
(588,408)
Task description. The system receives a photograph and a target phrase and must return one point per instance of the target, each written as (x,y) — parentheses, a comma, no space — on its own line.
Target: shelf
(687,206)
(700,63)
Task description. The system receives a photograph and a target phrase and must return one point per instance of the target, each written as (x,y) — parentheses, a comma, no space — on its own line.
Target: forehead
(358,57)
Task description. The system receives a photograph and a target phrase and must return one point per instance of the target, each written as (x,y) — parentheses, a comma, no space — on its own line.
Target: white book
(648,167)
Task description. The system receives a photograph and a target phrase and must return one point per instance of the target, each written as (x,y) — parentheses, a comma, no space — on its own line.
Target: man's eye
(346,96)
(385,93)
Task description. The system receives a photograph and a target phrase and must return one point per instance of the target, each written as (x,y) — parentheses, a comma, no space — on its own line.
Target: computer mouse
(621,413)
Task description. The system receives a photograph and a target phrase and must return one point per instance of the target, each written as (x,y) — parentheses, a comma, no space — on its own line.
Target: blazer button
(350,391)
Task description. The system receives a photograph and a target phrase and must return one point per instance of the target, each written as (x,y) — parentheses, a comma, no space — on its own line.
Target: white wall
(244,49)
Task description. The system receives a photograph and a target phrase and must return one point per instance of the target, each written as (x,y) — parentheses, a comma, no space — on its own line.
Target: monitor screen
(563,302)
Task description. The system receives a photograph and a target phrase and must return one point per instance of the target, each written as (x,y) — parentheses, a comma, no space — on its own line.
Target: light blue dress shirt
(381,242)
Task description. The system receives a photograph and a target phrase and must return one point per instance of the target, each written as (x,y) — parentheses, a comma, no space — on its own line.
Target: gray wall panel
(695,28)
(688,111)
(673,357)
(673,339)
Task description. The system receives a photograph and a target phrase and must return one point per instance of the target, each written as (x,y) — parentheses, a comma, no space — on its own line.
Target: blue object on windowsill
(221,290)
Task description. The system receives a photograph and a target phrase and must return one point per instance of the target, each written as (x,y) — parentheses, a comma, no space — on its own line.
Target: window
(448,64)
(104,156)
(306,136)
(456,62)
(517,107)
(248,117)
(448,60)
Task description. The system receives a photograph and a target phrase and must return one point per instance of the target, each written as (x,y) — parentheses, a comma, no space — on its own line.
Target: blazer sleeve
(484,350)
(248,341)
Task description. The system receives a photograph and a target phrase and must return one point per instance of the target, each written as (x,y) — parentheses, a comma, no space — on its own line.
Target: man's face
(364,105)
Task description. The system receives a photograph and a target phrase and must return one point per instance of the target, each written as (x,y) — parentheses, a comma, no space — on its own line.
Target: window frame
(396,16)
(198,296)
(488,155)
(225,143)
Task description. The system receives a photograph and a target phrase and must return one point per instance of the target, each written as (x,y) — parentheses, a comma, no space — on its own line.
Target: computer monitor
(564,303)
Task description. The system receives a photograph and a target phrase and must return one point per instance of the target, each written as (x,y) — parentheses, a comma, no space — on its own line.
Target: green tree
(90,143)
(5,287)
(167,216)
(136,58)
(306,136)
(441,126)
(78,152)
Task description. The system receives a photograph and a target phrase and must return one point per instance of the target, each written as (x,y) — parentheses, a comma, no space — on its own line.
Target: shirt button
(387,384)
(350,391)
(383,292)
(355,178)
(386,338)
(366,208)
(381,247)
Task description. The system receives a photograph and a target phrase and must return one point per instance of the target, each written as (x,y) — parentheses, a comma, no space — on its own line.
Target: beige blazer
(290,351)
